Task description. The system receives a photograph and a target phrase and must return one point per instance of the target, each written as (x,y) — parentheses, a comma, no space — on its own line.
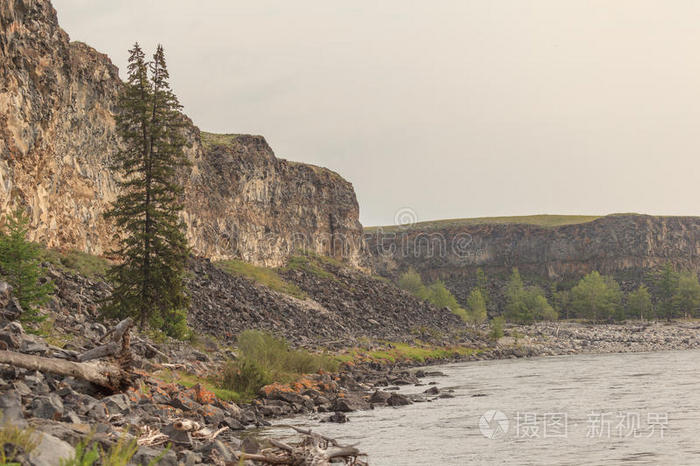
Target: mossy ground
(85,264)
(263,275)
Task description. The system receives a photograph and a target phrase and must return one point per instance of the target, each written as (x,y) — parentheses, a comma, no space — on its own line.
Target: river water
(633,408)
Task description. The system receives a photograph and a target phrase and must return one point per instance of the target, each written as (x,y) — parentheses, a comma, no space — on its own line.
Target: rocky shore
(202,428)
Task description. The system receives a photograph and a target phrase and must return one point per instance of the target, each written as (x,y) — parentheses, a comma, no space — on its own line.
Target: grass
(265,276)
(311,263)
(395,352)
(264,359)
(14,441)
(213,139)
(85,264)
(538,220)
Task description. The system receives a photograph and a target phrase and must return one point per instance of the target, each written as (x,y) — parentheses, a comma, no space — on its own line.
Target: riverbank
(174,382)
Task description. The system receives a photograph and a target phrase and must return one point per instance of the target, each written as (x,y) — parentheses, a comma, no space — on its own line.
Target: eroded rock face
(57,135)
(620,245)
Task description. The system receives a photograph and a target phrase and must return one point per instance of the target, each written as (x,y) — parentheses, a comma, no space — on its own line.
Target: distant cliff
(625,246)
(57,134)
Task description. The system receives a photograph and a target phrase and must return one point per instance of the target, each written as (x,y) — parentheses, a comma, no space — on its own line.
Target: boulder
(396,399)
(50,451)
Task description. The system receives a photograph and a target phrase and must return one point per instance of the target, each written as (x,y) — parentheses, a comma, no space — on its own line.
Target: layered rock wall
(57,135)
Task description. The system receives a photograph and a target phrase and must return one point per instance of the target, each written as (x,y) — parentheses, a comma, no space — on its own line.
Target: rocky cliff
(625,246)
(57,134)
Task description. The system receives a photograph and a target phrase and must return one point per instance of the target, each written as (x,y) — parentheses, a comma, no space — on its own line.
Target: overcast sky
(450,108)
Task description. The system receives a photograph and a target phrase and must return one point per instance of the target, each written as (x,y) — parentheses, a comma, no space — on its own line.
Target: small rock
(339,418)
(396,399)
(48,407)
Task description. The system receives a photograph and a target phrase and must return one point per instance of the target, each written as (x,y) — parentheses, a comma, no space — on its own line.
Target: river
(631,408)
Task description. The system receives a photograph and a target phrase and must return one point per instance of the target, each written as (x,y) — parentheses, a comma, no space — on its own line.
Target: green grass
(264,359)
(311,263)
(15,441)
(73,260)
(393,352)
(213,139)
(263,275)
(538,220)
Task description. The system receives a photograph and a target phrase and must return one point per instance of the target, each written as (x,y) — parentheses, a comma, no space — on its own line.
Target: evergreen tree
(19,261)
(148,283)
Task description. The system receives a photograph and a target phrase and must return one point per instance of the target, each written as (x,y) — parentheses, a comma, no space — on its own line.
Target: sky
(442,109)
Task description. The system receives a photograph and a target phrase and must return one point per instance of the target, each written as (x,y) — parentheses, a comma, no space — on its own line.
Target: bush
(245,377)
(596,297)
(686,298)
(476,307)
(436,294)
(413,283)
(639,304)
(496,325)
(525,305)
(264,358)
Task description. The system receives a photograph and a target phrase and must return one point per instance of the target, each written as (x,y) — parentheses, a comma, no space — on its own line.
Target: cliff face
(57,134)
(620,245)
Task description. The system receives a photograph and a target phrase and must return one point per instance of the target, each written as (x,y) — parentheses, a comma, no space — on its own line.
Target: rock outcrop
(57,135)
(625,246)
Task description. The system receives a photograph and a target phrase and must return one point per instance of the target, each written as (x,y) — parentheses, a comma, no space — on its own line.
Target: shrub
(245,377)
(526,304)
(413,283)
(496,325)
(639,304)
(264,358)
(476,307)
(596,297)
(686,298)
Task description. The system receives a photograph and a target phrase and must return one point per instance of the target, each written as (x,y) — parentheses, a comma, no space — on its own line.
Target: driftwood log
(313,450)
(114,374)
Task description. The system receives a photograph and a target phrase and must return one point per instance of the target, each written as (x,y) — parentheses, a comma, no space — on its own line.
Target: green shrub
(596,297)
(413,283)
(526,304)
(119,454)
(264,358)
(639,304)
(496,325)
(476,307)
(245,377)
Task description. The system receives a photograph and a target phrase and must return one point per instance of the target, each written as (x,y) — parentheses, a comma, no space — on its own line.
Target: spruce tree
(19,262)
(148,282)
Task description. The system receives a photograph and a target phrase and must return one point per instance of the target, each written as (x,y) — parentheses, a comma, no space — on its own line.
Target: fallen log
(100,373)
(114,375)
(313,450)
